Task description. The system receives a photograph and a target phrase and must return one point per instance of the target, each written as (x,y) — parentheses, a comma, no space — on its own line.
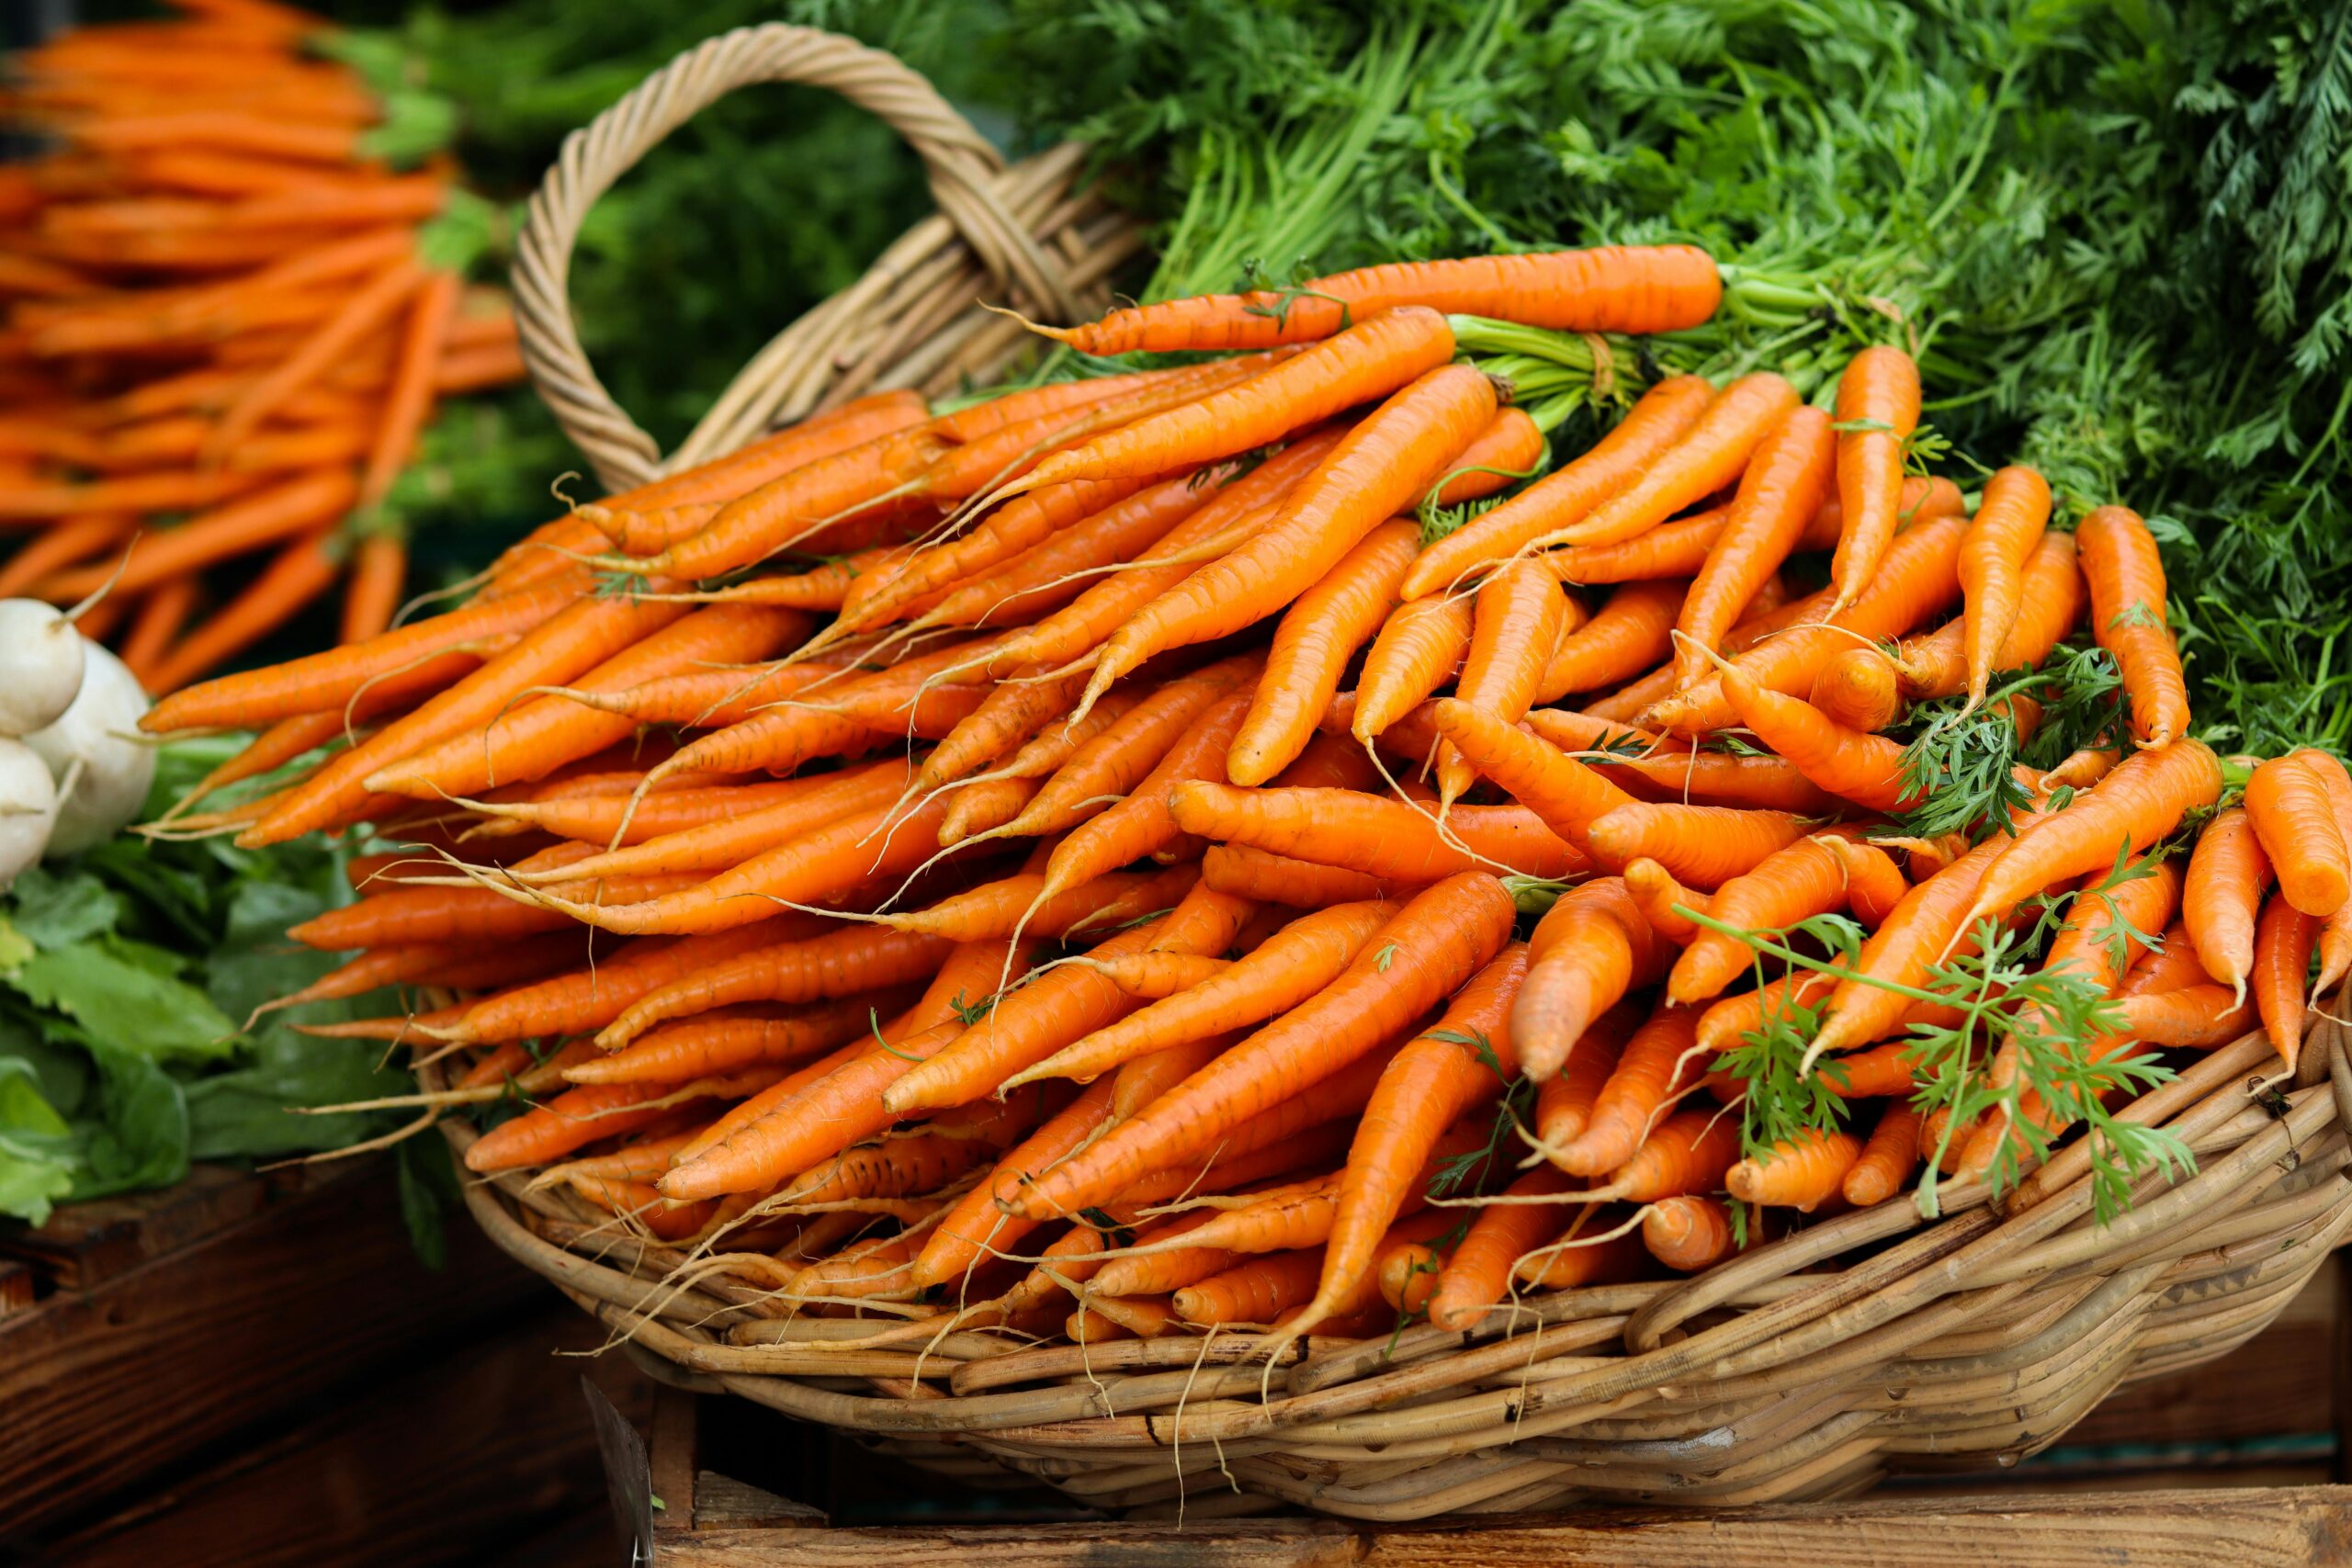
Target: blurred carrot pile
(230,313)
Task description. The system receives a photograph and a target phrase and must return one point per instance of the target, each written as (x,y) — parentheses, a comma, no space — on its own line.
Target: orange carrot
(1807,878)
(2009,523)
(1710,454)
(1798,1173)
(728,1040)
(2227,875)
(1865,769)
(1878,402)
(2294,824)
(1569,797)
(1419,647)
(1516,621)
(1662,899)
(2283,938)
(1384,839)
(1860,689)
(1563,1101)
(1786,478)
(2128,609)
(1316,637)
(1887,1160)
(1659,1063)
(1629,634)
(1705,846)
(1591,948)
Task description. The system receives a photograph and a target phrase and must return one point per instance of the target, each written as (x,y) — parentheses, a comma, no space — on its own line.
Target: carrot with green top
(1878,409)
(1312,644)
(1382,464)
(1712,453)
(1786,478)
(1661,416)
(2126,573)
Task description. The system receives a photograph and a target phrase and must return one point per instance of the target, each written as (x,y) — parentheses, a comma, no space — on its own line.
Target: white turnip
(28,808)
(101,764)
(41,662)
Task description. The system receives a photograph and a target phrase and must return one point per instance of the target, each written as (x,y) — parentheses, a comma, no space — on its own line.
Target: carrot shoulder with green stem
(1434,943)
(1878,409)
(1381,466)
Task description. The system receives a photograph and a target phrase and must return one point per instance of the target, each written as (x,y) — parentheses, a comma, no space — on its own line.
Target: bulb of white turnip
(41,662)
(28,808)
(101,764)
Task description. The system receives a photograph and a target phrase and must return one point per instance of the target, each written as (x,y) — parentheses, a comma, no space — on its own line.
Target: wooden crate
(2233,1463)
(257,1369)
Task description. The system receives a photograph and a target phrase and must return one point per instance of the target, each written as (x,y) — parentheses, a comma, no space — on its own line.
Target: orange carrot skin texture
(977,1222)
(2283,940)
(1662,899)
(1268,878)
(1612,289)
(534,739)
(451,914)
(2139,803)
(1874,884)
(1515,624)
(1369,360)
(2050,603)
(1917,577)
(1630,634)
(2199,1017)
(1864,768)
(1591,948)
(1713,452)
(1902,947)
(1143,824)
(1569,797)
(1689,1234)
(1434,943)
(1798,1173)
(2128,609)
(2335,936)
(732,841)
(1156,976)
(1119,758)
(1661,417)
(1887,1160)
(1783,487)
(2227,875)
(836,964)
(2009,522)
(725,1042)
(1312,644)
(1382,465)
(585,1000)
(1881,386)
(1563,1101)
(1661,1060)
(1804,879)
(1477,1277)
(1419,647)
(1679,547)
(1385,838)
(2294,824)
(574,1118)
(1511,448)
(1705,846)
(1432,1081)
(1859,689)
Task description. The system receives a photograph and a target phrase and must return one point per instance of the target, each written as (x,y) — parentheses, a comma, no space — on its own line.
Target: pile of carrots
(1089,898)
(229,320)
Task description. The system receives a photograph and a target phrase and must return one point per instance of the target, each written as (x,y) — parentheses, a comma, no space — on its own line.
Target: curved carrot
(2050,602)
(1878,399)
(1312,642)
(1563,1101)
(1710,454)
(2127,580)
(1786,478)
(1254,873)
(1557,500)
(1569,797)
(1796,1173)
(2197,1017)
(1612,289)
(1662,899)
(1874,884)
(2227,875)
(1419,647)
(1860,689)
(1865,769)
(978,1223)
(1627,636)
(1516,619)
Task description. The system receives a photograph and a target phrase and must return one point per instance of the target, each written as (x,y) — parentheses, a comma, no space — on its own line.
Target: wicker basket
(1802,1371)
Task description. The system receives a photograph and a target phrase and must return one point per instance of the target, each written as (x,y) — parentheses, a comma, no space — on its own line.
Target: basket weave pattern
(1801,1370)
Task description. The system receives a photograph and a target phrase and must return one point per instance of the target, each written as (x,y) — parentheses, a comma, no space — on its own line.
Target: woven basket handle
(959,163)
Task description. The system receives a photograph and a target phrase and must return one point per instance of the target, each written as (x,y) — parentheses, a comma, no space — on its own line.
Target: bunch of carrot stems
(1092,898)
(229,321)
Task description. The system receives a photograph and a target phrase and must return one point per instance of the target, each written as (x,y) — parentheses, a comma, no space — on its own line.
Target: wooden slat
(2250,1528)
(103,1384)
(85,1245)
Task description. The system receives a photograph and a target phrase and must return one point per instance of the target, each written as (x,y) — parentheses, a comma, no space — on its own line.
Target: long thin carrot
(2128,608)
(1627,636)
(1703,845)
(2283,940)
(1568,795)
(367,309)
(1312,644)
(1385,838)
(1787,478)
(1516,622)
(1145,823)
(1710,454)
(2001,537)
(1878,407)
(1659,1061)
(726,1040)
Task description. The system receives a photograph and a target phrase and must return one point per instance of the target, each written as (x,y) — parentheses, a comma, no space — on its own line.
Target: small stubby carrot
(1369,360)
(2133,807)
(1878,401)
(1386,839)
(1656,420)
(1887,1158)
(1705,846)
(1610,288)
(1850,763)
(1689,1234)
(1804,879)
(1465,1058)
(1710,454)
(1381,466)
(1312,642)
(1874,884)
(1860,689)
(1407,1277)
(1627,636)
(1663,900)
(1796,1173)
(1516,618)
(1783,486)
(1563,1101)
(2010,521)
(1290,967)
(2227,872)
(2126,574)
(2283,938)
(1569,797)
(1588,952)
(2294,823)
(1430,946)
(1419,647)
(1661,1061)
